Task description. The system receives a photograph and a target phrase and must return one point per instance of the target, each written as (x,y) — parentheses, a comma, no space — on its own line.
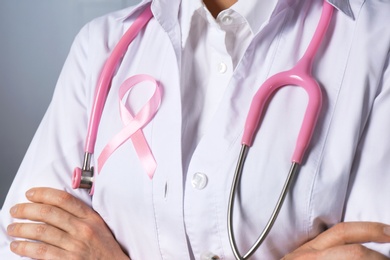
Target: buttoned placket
(220,32)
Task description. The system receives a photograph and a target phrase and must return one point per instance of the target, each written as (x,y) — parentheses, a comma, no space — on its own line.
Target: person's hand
(343,241)
(67,229)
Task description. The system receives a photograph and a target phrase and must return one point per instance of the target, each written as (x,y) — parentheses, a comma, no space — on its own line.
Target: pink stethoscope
(299,75)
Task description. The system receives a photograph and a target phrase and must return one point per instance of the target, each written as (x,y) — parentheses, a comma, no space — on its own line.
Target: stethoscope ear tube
(84,177)
(299,75)
(235,183)
(109,68)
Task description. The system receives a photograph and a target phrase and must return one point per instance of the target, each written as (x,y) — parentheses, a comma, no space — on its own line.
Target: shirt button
(222,67)
(199,181)
(227,19)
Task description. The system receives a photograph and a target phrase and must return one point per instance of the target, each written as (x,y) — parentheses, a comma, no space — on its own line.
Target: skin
(216,6)
(343,241)
(70,229)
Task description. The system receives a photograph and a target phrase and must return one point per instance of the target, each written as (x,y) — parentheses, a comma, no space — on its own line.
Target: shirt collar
(168,16)
(254,12)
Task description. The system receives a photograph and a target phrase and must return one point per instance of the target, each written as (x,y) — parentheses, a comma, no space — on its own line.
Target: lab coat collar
(343,6)
(127,12)
(251,14)
(165,11)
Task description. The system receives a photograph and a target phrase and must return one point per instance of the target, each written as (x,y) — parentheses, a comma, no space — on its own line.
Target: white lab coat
(344,177)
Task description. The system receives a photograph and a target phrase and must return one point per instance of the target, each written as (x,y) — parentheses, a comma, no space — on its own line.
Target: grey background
(35,37)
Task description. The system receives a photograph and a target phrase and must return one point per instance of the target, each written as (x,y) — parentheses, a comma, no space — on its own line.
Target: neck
(216,6)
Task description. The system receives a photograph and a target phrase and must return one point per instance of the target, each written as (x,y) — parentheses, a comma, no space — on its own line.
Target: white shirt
(178,215)
(212,49)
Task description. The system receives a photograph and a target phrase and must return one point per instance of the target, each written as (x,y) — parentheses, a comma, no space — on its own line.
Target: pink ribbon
(133,126)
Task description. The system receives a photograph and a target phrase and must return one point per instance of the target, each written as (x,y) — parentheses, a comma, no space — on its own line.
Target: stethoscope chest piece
(84,177)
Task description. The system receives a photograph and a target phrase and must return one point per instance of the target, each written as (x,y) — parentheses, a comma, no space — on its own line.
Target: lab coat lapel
(166,137)
(167,140)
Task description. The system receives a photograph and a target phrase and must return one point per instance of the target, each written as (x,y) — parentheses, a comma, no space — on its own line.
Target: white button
(227,19)
(199,180)
(222,67)
(208,256)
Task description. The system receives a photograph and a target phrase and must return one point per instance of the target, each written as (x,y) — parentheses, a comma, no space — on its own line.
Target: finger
(350,252)
(47,214)
(351,233)
(60,219)
(41,232)
(37,250)
(60,199)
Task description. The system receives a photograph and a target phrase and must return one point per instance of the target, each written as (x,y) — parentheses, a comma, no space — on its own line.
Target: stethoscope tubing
(107,73)
(278,206)
(84,177)
(300,75)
